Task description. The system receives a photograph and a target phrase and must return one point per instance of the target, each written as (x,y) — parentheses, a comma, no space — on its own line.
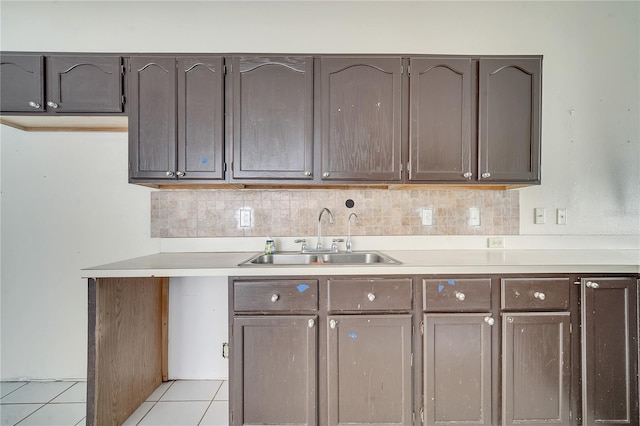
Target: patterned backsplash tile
(294,213)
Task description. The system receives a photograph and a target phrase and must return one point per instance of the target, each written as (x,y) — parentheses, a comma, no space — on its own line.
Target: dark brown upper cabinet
(176,118)
(271,101)
(74,84)
(22,83)
(84,84)
(441,148)
(361,130)
(509,120)
(610,351)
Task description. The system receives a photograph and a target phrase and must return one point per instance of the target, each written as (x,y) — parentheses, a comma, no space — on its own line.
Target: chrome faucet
(349,231)
(319,245)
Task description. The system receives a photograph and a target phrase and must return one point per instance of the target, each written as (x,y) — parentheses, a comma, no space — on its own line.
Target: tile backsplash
(294,213)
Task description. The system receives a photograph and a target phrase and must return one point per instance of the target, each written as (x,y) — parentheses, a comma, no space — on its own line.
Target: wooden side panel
(440,128)
(361,119)
(536,369)
(609,352)
(200,117)
(509,119)
(369,370)
(85,83)
(457,369)
(272,117)
(22,82)
(274,371)
(152,117)
(127,342)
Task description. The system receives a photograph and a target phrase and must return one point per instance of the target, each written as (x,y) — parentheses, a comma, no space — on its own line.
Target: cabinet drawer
(456,295)
(538,294)
(380,294)
(280,295)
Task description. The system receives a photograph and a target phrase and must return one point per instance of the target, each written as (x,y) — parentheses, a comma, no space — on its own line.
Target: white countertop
(487,261)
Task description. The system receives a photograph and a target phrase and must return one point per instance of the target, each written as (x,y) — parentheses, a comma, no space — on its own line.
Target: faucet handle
(334,244)
(304,244)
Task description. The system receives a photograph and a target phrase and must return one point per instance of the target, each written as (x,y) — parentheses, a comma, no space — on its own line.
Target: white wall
(83,212)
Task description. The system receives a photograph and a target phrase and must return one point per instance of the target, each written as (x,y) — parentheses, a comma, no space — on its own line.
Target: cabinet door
(272,104)
(361,119)
(457,369)
(536,368)
(84,83)
(273,376)
(369,370)
(152,117)
(509,120)
(200,118)
(21,83)
(610,351)
(440,146)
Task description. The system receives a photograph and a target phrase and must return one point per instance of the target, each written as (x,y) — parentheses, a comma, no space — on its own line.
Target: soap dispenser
(270,246)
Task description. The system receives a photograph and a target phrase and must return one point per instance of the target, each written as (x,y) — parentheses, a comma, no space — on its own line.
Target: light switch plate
(427,216)
(561,216)
(540,215)
(474,216)
(245,218)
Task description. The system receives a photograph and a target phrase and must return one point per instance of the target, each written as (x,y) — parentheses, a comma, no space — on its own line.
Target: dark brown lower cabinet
(274,370)
(610,351)
(536,369)
(457,369)
(369,369)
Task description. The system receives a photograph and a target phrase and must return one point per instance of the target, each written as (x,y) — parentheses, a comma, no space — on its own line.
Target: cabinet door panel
(200,117)
(272,117)
(440,127)
(457,370)
(509,120)
(274,368)
(535,368)
(85,83)
(610,352)
(369,370)
(21,83)
(152,118)
(361,119)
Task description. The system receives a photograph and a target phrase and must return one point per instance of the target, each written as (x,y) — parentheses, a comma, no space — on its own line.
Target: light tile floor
(175,403)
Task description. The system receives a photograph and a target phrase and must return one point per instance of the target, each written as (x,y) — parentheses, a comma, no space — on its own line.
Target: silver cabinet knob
(489,320)
(326,174)
(460,296)
(371,297)
(307,173)
(311,323)
(510,319)
(274,298)
(52,104)
(179,174)
(468,175)
(486,175)
(539,295)
(34,104)
(333,324)
(592,284)
(170,174)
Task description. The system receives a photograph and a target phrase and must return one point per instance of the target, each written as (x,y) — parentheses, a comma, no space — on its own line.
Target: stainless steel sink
(296,258)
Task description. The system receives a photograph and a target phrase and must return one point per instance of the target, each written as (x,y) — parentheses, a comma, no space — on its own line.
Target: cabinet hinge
(413,418)
(224,167)
(412,359)
(231,68)
(409,69)
(401,69)
(124,100)
(422,328)
(129,66)
(422,415)
(123,69)
(224,69)
(570,328)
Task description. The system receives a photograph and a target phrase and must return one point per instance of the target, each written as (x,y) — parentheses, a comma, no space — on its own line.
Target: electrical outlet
(540,215)
(561,216)
(427,216)
(245,218)
(474,216)
(495,242)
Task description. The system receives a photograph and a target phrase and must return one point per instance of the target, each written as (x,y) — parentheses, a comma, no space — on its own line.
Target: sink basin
(295,258)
